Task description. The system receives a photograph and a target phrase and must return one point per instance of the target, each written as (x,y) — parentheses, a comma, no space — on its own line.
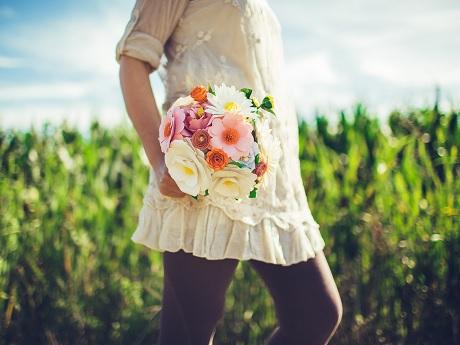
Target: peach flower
(232,134)
(171,127)
(199,93)
(217,159)
(201,139)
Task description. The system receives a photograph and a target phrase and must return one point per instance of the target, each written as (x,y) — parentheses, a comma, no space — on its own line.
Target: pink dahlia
(232,134)
(171,127)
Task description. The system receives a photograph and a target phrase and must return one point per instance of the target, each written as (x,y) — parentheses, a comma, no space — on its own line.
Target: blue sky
(57,57)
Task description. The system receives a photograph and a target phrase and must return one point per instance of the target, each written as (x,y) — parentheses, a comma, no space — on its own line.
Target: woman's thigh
(193,297)
(305,295)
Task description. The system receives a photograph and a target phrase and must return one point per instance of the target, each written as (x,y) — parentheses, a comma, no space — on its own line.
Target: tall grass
(387,197)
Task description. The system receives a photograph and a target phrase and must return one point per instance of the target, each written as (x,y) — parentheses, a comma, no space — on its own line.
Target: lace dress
(237,42)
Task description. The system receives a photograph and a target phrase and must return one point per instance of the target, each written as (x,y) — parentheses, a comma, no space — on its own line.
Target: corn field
(387,197)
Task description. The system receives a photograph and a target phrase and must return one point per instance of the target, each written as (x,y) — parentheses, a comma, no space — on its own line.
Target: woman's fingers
(173,185)
(171,191)
(169,187)
(168,191)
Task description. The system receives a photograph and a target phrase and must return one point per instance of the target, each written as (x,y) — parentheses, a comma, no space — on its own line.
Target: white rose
(232,182)
(187,167)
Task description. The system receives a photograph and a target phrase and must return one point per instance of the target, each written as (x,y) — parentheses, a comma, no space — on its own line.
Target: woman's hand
(166,183)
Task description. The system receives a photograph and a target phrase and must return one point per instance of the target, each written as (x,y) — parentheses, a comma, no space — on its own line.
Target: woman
(236,42)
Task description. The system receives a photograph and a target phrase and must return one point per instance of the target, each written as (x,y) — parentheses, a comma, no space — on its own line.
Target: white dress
(237,42)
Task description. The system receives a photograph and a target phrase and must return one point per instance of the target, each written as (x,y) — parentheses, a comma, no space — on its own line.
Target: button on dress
(236,42)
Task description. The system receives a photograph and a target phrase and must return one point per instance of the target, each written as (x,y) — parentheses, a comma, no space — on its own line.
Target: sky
(57,58)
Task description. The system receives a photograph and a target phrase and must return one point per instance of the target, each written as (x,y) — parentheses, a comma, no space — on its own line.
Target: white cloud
(384,53)
(400,67)
(39,91)
(8,62)
(80,44)
(311,69)
(314,83)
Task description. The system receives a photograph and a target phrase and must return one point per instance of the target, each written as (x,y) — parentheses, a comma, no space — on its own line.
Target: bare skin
(145,116)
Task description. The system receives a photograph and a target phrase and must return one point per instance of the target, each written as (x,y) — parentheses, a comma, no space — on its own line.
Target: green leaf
(266,103)
(247,92)
(206,192)
(210,90)
(194,197)
(257,158)
(238,164)
(253,193)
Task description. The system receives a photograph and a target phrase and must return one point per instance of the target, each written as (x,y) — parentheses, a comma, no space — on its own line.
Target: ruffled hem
(209,232)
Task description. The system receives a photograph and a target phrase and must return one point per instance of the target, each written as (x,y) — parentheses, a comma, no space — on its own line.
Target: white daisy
(228,99)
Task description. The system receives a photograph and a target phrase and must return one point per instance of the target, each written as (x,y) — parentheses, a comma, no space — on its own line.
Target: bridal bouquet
(216,141)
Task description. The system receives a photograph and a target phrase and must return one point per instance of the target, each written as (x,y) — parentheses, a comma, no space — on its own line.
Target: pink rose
(197,118)
(171,127)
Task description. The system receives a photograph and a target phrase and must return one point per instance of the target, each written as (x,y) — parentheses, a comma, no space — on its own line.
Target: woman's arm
(143,112)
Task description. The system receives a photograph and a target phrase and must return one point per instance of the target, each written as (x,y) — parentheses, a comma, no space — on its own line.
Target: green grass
(387,197)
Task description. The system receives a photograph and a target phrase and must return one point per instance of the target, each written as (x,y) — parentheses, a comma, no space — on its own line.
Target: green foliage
(247,92)
(388,200)
(237,163)
(210,90)
(267,104)
(387,197)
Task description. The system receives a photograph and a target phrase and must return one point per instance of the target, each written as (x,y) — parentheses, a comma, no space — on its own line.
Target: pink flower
(197,118)
(232,134)
(171,127)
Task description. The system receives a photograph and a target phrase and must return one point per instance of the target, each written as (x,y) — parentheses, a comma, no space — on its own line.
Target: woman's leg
(193,297)
(307,302)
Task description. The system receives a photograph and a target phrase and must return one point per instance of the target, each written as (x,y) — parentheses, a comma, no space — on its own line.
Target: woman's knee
(210,311)
(199,287)
(334,313)
(316,323)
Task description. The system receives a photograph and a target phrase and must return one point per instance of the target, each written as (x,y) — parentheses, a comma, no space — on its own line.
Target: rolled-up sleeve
(150,26)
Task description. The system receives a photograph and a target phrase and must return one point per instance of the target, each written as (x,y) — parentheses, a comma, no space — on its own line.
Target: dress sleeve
(151,24)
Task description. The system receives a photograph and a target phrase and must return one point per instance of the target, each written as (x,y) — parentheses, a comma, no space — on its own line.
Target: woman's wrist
(159,169)
(155,157)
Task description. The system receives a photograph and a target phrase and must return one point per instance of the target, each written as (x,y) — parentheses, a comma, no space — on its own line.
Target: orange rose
(199,93)
(201,139)
(217,159)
